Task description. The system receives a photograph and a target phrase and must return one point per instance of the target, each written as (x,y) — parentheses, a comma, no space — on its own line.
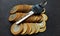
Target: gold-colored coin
(25,28)
(37,27)
(44,17)
(29,28)
(33,28)
(42,29)
(42,24)
(16,29)
(14,17)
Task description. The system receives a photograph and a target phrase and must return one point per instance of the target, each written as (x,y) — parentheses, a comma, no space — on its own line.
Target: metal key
(36,9)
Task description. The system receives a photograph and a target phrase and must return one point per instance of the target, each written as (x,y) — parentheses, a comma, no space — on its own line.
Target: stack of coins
(28,28)
(32,25)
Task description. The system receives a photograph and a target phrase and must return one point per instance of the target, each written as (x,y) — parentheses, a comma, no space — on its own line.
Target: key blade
(25,17)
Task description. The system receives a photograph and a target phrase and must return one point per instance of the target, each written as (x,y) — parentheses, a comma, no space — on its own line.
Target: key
(36,9)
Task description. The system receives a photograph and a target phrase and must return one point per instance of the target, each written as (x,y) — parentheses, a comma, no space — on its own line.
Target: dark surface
(53,12)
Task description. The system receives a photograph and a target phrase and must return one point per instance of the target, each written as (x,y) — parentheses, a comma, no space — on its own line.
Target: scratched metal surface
(52,10)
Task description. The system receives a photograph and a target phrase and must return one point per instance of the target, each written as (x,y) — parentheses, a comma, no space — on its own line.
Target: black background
(52,10)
